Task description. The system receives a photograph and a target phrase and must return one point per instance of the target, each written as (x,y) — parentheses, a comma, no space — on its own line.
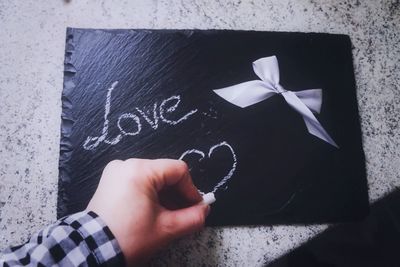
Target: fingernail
(208,210)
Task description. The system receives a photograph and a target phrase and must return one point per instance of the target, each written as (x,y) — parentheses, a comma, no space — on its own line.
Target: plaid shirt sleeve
(81,239)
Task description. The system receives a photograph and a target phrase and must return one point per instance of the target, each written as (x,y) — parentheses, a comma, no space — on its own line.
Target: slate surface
(283,174)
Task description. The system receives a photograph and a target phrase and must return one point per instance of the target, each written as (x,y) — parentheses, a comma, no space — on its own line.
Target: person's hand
(148,203)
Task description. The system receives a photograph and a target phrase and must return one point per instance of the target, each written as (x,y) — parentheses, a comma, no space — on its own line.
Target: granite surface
(32,36)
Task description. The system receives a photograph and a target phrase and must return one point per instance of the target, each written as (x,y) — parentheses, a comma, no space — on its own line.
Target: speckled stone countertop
(32,36)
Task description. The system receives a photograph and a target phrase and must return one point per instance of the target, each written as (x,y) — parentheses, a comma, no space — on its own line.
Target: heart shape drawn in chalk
(214,148)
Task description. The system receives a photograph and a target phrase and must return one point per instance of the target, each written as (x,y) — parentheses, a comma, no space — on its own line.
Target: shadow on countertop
(375,241)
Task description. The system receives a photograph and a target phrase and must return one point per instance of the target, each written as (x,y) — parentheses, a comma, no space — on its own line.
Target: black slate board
(283,174)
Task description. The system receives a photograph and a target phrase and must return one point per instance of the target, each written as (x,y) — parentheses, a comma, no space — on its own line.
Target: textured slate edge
(67,121)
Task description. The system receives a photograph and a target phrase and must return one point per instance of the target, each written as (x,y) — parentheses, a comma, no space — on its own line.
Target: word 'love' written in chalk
(160,112)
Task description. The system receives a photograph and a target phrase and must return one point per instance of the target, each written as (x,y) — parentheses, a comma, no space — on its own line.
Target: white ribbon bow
(251,92)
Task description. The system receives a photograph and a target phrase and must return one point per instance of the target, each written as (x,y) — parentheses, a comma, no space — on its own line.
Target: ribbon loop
(245,94)
(304,102)
(267,69)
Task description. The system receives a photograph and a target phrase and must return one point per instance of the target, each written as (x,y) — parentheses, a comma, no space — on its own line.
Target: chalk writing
(210,152)
(153,123)
(167,106)
(133,117)
(172,109)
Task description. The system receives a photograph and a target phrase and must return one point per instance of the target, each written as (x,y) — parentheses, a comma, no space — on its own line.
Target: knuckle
(114,163)
(132,160)
(134,163)
(110,169)
(138,169)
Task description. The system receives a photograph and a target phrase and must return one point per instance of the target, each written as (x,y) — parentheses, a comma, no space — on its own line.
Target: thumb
(177,223)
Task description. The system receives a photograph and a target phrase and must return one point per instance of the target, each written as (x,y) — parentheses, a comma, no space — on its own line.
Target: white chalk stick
(208,198)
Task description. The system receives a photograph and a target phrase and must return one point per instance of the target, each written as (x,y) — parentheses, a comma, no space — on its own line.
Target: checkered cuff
(81,239)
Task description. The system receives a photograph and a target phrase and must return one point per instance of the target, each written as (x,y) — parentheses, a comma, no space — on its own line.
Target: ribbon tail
(312,124)
(245,94)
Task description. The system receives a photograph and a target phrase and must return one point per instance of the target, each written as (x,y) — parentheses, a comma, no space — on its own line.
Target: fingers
(185,221)
(174,173)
